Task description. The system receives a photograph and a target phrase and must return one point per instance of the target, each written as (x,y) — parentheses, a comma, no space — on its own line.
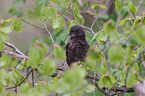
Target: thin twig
(48,31)
(88,29)
(64,10)
(101,14)
(21,81)
(33,25)
(33,77)
(94,81)
(141,1)
(136,46)
(126,39)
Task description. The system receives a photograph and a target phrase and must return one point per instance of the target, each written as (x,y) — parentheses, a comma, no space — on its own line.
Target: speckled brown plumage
(77,46)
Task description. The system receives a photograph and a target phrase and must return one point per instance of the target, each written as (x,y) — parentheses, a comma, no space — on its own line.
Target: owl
(77,46)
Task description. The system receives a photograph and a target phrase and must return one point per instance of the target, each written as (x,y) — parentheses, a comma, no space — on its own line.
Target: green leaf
(132,8)
(140,34)
(115,54)
(98,6)
(59,52)
(77,14)
(118,5)
(48,12)
(123,22)
(2,89)
(17,24)
(110,81)
(5,61)
(2,45)
(57,23)
(103,69)
(101,82)
(131,79)
(6,30)
(136,22)
(35,57)
(129,53)
(71,23)
(25,87)
(135,66)
(72,79)
(94,57)
(8,20)
(48,67)
(102,37)
(109,27)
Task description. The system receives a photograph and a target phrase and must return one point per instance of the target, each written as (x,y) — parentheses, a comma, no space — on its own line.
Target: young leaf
(98,6)
(132,8)
(59,52)
(48,12)
(102,37)
(35,57)
(103,69)
(136,22)
(140,34)
(5,61)
(118,5)
(2,45)
(110,81)
(123,22)
(115,54)
(48,67)
(131,78)
(17,24)
(109,26)
(77,14)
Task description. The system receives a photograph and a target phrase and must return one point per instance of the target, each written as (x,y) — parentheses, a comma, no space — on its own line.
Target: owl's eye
(72,32)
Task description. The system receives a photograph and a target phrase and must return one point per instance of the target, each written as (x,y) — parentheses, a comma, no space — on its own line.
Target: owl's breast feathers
(76,50)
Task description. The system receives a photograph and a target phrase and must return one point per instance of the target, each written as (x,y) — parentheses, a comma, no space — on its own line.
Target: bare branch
(14,48)
(126,39)
(101,14)
(15,54)
(141,1)
(48,31)
(33,25)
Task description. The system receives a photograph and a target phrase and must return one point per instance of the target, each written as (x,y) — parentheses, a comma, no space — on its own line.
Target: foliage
(114,58)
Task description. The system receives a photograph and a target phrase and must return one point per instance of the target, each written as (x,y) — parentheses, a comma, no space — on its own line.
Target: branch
(126,39)
(141,1)
(14,48)
(48,31)
(33,25)
(101,14)
(21,81)
(88,29)
(15,54)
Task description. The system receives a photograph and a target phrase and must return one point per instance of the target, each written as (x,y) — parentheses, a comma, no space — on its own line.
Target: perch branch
(15,54)
(14,48)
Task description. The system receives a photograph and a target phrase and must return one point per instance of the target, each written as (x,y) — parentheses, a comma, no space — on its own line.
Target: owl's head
(77,31)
